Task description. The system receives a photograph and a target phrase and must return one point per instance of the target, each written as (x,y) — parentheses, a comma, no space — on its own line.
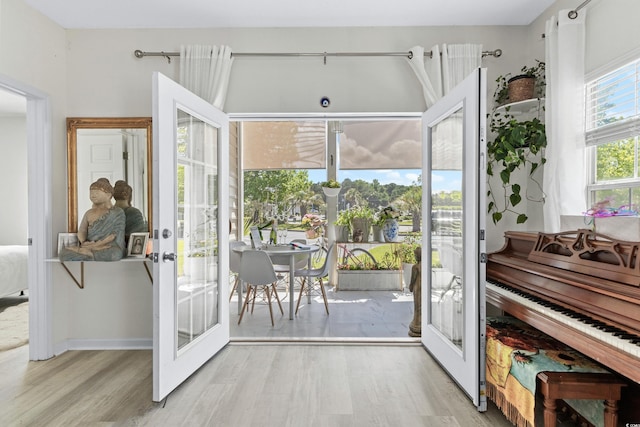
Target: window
(612,134)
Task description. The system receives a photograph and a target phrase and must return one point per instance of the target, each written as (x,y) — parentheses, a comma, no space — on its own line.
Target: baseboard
(104,344)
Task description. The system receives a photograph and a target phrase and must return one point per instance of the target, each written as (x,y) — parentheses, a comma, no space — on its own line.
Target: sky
(441,180)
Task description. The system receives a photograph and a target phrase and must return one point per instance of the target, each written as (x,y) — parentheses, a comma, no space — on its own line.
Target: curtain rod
(573,14)
(140,54)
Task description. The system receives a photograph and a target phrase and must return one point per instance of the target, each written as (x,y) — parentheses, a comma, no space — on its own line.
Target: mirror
(116,148)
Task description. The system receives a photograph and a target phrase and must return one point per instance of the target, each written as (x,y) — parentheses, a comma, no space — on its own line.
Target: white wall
(13,176)
(258,85)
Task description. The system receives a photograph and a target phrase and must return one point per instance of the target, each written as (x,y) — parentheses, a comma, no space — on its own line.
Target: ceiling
(287,13)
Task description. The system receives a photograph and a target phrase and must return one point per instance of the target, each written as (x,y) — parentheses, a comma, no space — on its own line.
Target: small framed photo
(138,245)
(66,240)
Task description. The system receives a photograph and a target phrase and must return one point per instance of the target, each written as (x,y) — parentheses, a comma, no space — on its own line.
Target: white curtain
(564,181)
(445,69)
(438,75)
(205,70)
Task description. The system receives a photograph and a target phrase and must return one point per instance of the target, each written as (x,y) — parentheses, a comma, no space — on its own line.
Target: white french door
(453,297)
(190,233)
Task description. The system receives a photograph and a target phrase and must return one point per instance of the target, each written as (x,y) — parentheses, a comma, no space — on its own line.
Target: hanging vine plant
(517,145)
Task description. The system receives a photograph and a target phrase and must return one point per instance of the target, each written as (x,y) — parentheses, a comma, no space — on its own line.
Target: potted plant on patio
(342,225)
(330,188)
(361,220)
(312,225)
(390,228)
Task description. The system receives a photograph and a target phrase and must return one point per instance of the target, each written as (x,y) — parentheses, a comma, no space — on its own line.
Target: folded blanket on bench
(516,352)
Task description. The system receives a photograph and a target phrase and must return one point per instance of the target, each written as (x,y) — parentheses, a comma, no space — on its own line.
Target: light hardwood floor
(244,385)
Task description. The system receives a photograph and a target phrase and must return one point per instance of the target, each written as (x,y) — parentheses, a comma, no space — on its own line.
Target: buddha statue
(101,231)
(135,222)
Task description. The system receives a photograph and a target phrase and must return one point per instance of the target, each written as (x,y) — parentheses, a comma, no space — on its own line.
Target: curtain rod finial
(138,53)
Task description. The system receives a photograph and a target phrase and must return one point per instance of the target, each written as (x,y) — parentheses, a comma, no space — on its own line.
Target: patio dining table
(278,253)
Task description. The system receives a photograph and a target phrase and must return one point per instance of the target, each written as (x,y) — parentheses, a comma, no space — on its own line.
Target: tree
(354,197)
(615,160)
(271,191)
(411,200)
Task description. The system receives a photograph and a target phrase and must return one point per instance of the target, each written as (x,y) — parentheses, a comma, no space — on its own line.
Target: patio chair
(256,270)
(309,286)
(234,264)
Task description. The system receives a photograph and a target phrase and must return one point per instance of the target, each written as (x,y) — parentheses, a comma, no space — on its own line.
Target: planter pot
(406,275)
(342,233)
(390,230)
(369,280)
(361,228)
(378,235)
(521,88)
(618,227)
(311,234)
(331,192)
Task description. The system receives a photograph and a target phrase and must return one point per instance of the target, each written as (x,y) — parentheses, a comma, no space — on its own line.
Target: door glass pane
(447,314)
(197,228)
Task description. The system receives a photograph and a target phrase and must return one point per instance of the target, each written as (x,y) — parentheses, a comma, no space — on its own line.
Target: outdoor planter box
(370,280)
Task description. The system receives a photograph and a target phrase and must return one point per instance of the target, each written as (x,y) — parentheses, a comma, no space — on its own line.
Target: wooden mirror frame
(75,123)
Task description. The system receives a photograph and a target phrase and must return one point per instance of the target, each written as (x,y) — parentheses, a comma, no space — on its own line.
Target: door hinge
(481,234)
(483,258)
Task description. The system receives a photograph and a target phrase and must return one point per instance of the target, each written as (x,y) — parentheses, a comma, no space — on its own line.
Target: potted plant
(407,255)
(312,224)
(389,218)
(342,225)
(516,145)
(527,84)
(330,188)
(376,227)
(361,220)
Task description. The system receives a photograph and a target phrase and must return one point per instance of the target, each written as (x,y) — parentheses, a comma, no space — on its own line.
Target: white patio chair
(319,274)
(256,270)
(234,264)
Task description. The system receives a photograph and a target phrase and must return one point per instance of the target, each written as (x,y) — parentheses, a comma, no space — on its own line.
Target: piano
(580,287)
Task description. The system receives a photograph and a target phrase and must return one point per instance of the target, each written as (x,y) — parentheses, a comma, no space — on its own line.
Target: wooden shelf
(79,281)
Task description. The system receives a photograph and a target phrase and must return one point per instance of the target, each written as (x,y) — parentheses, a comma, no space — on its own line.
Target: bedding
(13,269)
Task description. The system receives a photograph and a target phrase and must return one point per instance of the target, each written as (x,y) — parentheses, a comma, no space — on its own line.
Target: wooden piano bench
(580,385)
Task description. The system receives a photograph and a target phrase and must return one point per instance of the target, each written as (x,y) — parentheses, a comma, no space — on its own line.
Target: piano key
(601,331)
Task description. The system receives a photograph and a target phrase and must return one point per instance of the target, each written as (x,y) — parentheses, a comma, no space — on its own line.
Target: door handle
(168,256)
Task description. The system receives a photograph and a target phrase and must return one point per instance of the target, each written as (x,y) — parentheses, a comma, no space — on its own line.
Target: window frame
(612,132)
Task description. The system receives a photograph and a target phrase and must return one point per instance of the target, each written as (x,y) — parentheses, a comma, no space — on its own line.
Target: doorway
(378,157)
(37,233)
(14,300)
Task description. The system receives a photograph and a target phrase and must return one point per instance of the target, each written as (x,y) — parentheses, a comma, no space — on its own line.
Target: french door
(190,233)
(453,297)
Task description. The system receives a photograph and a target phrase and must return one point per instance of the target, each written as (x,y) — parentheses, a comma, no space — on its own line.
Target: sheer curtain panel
(564,181)
(205,70)
(445,69)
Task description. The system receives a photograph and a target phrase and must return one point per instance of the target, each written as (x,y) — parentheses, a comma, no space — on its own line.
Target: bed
(13,269)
